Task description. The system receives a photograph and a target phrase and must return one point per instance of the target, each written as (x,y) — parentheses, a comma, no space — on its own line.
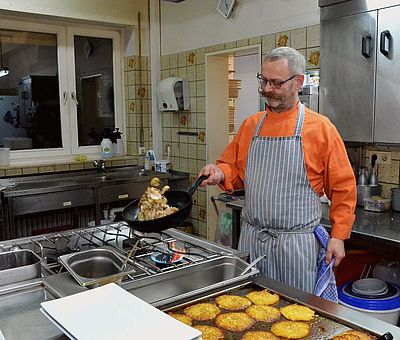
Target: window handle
(73,97)
(65,97)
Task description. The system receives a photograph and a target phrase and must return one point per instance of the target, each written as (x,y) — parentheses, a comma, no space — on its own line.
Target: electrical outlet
(142,150)
(383,157)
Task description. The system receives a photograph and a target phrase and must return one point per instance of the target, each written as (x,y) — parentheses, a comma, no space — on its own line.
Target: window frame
(66,73)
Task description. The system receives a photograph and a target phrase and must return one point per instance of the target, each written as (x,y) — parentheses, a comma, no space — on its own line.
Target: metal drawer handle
(366,45)
(123,196)
(383,47)
(67,203)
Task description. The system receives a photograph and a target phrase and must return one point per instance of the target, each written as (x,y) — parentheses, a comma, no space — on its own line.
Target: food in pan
(259,335)
(297,313)
(291,329)
(353,335)
(210,332)
(263,313)
(263,297)
(234,322)
(182,318)
(153,203)
(232,302)
(202,311)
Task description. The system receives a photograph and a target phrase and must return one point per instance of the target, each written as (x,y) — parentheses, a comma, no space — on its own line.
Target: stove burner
(128,243)
(163,260)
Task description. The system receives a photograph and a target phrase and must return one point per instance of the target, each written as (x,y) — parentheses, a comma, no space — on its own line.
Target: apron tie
(265,233)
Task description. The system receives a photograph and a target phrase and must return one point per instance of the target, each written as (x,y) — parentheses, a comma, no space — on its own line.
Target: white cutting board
(110,312)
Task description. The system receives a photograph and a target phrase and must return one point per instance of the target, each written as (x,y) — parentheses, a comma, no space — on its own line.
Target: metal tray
(95,267)
(330,318)
(184,282)
(19,265)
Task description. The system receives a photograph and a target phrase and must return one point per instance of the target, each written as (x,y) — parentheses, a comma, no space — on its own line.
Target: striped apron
(281,209)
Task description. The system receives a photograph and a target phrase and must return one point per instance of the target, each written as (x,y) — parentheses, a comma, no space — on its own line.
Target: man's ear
(299,82)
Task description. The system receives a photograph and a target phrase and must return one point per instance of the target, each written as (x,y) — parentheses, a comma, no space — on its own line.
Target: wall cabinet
(359,69)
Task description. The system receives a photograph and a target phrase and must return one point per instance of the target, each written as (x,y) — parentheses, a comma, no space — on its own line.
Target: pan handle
(195,185)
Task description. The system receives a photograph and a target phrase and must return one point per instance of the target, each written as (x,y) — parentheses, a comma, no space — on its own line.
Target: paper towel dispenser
(173,94)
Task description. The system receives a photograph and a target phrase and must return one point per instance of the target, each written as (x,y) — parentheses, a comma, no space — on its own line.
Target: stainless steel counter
(383,226)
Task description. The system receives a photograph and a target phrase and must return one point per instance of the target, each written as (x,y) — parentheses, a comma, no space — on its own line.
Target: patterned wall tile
(282,39)
(313,36)
(298,38)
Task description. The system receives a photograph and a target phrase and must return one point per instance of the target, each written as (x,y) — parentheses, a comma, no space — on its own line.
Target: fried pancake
(353,335)
(182,318)
(259,335)
(263,297)
(202,311)
(297,313)
(210,332)
(235,322)
(291,329)
(263,313)
(233,302)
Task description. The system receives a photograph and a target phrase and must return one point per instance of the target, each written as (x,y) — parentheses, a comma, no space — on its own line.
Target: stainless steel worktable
(384,226)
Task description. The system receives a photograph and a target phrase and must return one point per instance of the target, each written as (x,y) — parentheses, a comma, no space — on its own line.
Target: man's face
(280,97)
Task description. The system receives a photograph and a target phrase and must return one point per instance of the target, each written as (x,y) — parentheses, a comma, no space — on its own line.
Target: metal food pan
(330,318)
(19,265)
(174,285)
(95,267)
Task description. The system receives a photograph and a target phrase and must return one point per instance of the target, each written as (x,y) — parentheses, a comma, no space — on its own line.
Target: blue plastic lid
(373,303)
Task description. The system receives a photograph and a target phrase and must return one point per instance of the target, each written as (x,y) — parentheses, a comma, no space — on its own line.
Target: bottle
(152,157)
(147,161)
(106,146)
(119,146)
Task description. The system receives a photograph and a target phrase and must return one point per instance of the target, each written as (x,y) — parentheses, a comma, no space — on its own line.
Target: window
(63,91)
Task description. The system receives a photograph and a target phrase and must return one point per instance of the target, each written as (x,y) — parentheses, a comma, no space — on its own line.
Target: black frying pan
(179,199)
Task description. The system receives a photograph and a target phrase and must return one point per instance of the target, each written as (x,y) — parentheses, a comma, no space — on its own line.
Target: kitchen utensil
(373,178)
(179,199)
(396,199)
(131,253)
(363,178)
(252,264)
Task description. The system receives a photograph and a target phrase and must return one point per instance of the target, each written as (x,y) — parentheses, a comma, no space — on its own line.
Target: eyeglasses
(275,84)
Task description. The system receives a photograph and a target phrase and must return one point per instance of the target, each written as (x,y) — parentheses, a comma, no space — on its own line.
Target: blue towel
(325,286)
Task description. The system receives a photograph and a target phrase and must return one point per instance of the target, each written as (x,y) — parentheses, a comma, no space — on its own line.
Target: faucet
(100,165)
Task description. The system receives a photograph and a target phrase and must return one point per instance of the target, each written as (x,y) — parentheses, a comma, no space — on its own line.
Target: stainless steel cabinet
(359,67)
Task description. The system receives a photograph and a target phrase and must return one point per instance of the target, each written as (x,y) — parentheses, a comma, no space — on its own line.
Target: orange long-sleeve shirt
(327,165)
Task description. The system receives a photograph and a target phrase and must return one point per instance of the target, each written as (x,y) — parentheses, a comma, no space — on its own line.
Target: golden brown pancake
(259,335)
(232,302)
(263,297)
(210,332)
(182,318)
(234,322)
(297,313)
(291,329)
(353,335)
(263,313)
(202,311)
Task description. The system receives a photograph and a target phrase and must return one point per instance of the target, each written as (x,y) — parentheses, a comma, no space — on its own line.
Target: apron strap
(264,234)
(300,120)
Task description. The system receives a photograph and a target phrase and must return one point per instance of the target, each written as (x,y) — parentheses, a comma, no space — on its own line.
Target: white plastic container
(106,148)
(162,165)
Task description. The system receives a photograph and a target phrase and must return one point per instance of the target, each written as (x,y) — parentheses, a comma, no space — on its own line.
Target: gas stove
(155,252)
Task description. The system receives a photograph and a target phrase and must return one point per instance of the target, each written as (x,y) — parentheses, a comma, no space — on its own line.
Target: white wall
(248,102)
(196,23)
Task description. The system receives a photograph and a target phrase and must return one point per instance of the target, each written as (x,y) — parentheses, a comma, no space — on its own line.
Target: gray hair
(296,61)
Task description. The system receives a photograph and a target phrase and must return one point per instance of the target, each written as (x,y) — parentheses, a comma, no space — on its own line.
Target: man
(286,158)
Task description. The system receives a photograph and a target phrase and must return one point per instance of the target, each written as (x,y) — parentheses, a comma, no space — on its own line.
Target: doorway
(222,121)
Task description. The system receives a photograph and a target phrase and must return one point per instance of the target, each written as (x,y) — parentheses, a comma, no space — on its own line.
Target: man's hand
(336,250)
(216,175)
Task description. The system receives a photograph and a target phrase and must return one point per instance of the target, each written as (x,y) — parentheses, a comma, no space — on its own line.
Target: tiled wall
(189,152)
(388,174)
(137,101)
